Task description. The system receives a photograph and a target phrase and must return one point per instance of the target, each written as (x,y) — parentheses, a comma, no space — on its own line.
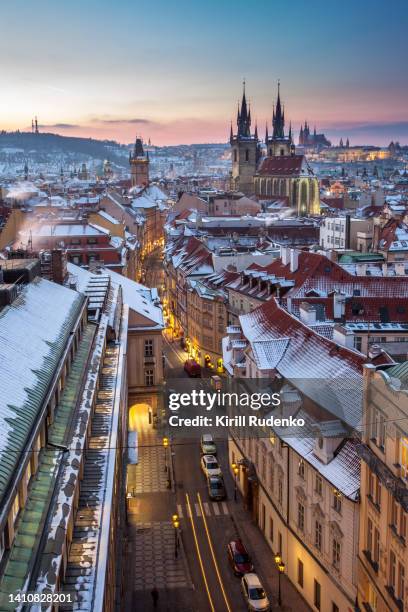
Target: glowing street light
(281,569)
(176,525)
(235,470)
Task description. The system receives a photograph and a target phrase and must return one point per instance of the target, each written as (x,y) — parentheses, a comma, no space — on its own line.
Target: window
(280,491)
(404,457)
(401,581)
(394,513)
(335,607)
(376,551)
(318,539)
(279,543)
(300,573)
(393,567)
(301,517)
(403,524)
(317,594)
(370,536)
(149,378)
(372,597)
(148,348)
(357,343)
(319,485)
(246,154)
(271,529)
(337,501)
(336,553)
(301,471)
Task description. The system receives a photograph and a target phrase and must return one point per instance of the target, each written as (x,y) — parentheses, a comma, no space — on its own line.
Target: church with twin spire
(271,170)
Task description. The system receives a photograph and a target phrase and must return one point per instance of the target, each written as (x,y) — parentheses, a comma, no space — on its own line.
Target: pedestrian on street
(155,596)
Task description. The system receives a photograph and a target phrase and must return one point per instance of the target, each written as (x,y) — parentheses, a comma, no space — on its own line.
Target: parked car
(192,368)
(208,445)
(254,593)
(216,488)
(239,558)
(209,465)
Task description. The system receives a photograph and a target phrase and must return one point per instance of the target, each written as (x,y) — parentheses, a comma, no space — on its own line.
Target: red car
(192,368)
(239,558)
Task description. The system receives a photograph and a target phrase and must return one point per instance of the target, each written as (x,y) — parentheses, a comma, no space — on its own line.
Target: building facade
(382,556)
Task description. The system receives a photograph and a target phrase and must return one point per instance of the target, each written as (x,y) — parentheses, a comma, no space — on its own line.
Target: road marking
(216,508)
(225,508)
(213,556)
(197,509)
(199,554)
(180,510)
(207,508)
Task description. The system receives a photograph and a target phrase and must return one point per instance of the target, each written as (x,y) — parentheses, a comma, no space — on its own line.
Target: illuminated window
(404,457)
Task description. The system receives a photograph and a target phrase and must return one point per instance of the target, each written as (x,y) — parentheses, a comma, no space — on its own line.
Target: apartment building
(382,555)
(302,485)
(64,390)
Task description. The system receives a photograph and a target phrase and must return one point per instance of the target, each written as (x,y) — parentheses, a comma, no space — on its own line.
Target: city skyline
(174,73)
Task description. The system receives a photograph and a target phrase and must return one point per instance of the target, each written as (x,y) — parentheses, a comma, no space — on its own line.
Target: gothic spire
(231,134)
(266,133)
(290,131)
(256,131)
(279,118)
(244,117)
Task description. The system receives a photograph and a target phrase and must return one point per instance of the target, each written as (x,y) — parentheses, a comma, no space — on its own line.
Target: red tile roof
(285,165)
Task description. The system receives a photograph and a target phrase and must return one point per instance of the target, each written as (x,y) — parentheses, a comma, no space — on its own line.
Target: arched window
(303,196)
(246,154)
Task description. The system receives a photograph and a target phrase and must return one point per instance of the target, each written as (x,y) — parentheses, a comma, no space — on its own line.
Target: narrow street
(199,578)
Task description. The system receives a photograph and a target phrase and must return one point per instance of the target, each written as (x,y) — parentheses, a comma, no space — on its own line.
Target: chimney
(385,269)
(339,301)
(361,269)
(294,260)
(307,313)
(343,336)
(285,255)
(59,265)
(374,351)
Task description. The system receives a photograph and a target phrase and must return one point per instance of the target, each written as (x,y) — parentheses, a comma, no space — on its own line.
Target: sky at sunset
(173,71)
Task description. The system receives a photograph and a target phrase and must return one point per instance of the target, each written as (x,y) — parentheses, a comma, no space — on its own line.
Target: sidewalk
(262,556)
(150,558)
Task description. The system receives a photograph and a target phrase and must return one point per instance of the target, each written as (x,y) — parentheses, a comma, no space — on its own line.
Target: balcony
(149,360)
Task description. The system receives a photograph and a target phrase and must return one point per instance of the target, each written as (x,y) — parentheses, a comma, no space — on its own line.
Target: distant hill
(29,144)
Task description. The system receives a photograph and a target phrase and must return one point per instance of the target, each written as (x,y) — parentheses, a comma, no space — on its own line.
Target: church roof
(288,165)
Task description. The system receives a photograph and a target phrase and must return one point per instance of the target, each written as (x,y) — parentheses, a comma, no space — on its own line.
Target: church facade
(276,172)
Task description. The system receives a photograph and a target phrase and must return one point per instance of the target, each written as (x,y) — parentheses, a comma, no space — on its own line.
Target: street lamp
(281,569)
(235,469)
(176,524)
(165,445)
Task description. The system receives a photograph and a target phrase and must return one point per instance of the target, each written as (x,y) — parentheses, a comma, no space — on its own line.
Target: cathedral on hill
(274,172)
(309,139)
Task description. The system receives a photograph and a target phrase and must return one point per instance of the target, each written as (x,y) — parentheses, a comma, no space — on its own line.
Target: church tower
(245,150)
(279,144)
(139,165)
